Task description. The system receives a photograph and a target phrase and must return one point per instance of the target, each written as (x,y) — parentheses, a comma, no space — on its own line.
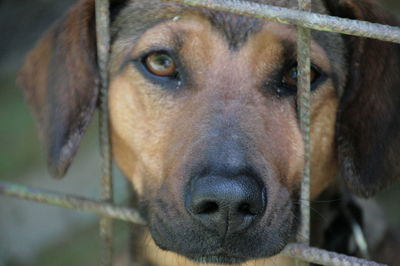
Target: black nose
(225,204)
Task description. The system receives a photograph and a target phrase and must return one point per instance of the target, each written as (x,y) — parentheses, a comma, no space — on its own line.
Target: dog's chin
(217,259)
(222,256)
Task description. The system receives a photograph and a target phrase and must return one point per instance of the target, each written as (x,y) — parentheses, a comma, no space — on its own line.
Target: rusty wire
(71,202)
(323,257)
(302,18)
(303,104)
(299,251)
(103,50)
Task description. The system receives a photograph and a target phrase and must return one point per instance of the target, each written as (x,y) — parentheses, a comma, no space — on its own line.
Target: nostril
(207,207)
(244,208)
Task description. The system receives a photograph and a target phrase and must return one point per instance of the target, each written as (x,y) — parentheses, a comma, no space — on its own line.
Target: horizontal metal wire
(299,251)
(320,256)
(302,18)
(71,202)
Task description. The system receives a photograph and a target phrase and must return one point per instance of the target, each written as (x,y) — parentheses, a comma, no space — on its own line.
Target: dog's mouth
(220,258)
(176,231)
(266,238)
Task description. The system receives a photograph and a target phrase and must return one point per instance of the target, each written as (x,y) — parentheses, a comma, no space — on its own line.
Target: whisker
(312,209)
(323,201)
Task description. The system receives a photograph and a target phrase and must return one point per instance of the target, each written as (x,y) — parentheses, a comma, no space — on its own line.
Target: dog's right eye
(288,83)
(160,64)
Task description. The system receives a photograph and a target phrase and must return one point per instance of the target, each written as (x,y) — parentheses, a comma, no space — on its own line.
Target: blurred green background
(35,234)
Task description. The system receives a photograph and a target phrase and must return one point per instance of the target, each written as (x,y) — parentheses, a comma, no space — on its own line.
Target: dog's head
(203,116)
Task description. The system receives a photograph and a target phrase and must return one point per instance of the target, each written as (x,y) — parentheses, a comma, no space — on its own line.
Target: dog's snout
(226,204)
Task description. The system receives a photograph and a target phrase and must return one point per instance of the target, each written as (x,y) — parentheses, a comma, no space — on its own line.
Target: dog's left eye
(160,64)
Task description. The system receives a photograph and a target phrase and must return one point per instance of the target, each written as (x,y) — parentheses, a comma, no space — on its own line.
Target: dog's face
(204,124)
(204,120)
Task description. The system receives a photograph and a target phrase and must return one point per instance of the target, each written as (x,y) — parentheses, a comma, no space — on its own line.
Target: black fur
(368,123)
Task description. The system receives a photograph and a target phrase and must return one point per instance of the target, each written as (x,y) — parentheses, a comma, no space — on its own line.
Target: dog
(203,123)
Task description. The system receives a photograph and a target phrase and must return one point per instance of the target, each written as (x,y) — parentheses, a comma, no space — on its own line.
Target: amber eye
(160,64)
(290,77)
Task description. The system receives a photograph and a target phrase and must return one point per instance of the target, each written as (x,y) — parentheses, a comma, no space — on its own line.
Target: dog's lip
(220,258)
(217,256)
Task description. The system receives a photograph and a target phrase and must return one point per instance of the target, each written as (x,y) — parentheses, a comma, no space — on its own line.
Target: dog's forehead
(317,5)
(137,16)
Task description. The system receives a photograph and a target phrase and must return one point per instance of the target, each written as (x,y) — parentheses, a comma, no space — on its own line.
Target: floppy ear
(368,123)
(61,82)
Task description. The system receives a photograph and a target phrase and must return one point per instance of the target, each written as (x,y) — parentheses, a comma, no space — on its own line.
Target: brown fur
(63,109)
(231,66)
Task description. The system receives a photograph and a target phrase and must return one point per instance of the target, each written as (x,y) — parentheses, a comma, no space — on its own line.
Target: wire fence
(305,20)
(103,50)
(303,103)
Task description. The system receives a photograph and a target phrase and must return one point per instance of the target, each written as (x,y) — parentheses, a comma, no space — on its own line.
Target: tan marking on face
(324,166)
(142,113)
(265,48)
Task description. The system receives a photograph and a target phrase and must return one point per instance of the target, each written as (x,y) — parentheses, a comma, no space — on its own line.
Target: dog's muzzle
(230,211)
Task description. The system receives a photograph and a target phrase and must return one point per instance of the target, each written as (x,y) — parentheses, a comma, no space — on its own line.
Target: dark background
(34,234)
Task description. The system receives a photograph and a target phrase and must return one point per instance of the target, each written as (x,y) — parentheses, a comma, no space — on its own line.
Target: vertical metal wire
(103,49)
(303,103)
